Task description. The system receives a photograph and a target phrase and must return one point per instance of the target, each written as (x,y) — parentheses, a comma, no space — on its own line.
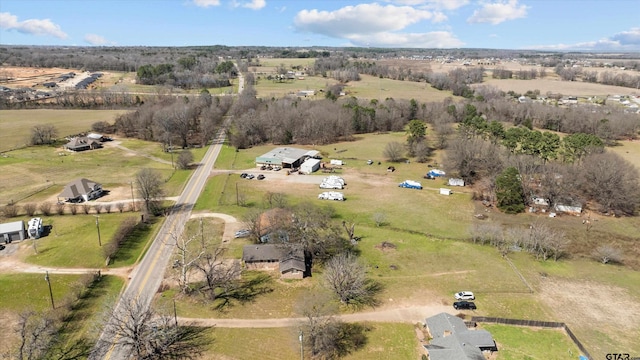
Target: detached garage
(12,231)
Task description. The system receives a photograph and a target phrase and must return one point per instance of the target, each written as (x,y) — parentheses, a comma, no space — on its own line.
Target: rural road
(147,276)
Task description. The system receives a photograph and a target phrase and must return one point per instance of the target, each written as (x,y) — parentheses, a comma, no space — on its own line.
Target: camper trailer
(35,228)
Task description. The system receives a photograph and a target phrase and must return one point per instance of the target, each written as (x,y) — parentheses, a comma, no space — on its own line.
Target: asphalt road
(147,276)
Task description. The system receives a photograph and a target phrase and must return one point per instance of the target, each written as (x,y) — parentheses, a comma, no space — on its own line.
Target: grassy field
(17,124)
(517,343)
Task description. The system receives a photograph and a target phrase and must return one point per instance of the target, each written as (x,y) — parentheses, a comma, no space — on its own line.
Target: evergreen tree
(509,191)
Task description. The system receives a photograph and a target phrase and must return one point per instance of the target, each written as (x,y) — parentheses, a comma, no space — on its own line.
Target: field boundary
(535,323)
(12,202)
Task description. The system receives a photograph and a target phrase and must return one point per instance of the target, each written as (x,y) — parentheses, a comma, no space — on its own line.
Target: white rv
(331,195)
(35,228)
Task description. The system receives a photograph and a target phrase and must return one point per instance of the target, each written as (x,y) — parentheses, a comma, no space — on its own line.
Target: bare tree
(221,275)
(107,208)
(380,218)
(149,186)
(148,334)
(184,159)
(607,254)
(60,206)
(275,200)
(187,256)
(36,333)
(394,151)
(30,208)
(10,210)
(120,206)
(347,278)
(45,208)
(43,134)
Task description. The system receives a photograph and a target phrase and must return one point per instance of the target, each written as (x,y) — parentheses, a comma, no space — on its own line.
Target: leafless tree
(350,228)
(221,275)
(10,210)
(60,208)
(148,334)
(394,151)
(275,200)
(149,186)
(97,208)
(43,134)
(488,234)
(45,208)
(608,254)
(611,181)
(36,332)
(187,254)
(30,208)
(544,242)
(347,278)
(86,208)
(184,159)
(107,208)
(73,209)
(120,206)
(380,218)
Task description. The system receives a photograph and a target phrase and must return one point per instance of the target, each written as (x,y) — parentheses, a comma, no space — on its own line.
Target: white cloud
(252,4)
(31,26)
(206,3)
(360,20)
(433,4)
(94,39)
(622,41)
(501,11)
(436,39)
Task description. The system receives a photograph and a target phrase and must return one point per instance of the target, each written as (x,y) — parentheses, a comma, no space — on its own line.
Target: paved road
(147,276)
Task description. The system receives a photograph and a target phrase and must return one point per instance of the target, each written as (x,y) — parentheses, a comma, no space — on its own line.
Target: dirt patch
(386,246)
(592,303)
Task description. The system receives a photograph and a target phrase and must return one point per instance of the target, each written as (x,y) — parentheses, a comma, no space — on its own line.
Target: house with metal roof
(286,157)
(81,190)
(82,143)
(451,339)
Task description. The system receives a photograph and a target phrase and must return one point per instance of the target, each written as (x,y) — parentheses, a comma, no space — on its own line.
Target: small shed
(444,191)
(12,231)
(336,162)
(309,166)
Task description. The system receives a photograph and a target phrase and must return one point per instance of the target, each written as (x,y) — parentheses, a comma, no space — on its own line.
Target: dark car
(260,177)
(464,305)
(243,175)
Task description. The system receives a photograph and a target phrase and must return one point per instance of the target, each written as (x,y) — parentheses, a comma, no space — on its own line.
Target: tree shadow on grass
(246,291)
(129,250)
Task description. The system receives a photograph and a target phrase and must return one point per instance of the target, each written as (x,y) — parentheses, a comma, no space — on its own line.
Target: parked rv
(331,195)
(35,228)
(410,184)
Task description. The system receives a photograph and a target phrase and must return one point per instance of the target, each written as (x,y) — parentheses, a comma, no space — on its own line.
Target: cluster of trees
(538,239)
(288,121)
(605,77)
(604,180)
(176,121)
(531,74)
(191,75)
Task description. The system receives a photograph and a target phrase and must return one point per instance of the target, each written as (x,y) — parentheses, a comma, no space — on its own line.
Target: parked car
(464,305)
(242,233)
(249,176)
(243,175)
(260,177)
(277,168)
(369,162)
(465,295)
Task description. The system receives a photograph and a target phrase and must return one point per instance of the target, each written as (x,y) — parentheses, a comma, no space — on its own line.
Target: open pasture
(17,124)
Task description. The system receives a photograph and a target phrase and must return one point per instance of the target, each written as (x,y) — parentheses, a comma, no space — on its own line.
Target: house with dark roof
(289,262)
(81,190)
(451,339)
(82,143)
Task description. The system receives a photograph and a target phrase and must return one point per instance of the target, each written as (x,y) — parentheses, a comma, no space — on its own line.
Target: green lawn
(73,241)
(19,292)
(519,343)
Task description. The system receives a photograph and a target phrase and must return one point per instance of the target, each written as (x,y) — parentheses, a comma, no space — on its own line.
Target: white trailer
(444,191)
(35,228)
(331,195)
(310,166)
(336,162)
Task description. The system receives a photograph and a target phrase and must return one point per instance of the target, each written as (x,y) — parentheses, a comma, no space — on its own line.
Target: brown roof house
(82,143)
(81,190)
(289,262)
(452,340)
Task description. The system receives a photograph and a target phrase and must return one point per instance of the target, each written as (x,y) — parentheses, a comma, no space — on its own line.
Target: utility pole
(201,231)
(301,338)
(46,278)
(175,312)
(237,198)
(133,200)
(98,227)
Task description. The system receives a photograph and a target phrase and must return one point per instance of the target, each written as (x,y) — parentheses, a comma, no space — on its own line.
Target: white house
(309,166)
(81,190)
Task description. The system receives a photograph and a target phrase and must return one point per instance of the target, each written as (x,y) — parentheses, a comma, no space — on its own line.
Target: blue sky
(563,25)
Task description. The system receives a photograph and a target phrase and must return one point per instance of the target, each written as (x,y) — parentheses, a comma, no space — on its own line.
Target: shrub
(45,208)
(60,208)
(30,208)
(10,211)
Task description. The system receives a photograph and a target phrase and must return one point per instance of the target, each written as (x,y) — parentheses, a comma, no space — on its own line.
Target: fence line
(537,323)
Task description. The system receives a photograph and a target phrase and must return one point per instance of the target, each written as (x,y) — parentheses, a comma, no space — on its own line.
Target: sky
(557,25)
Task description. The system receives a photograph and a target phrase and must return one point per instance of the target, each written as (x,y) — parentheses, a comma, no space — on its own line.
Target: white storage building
(12,231)
(309,166)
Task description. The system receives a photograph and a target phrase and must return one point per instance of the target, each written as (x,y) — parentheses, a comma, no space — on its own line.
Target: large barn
(285,157)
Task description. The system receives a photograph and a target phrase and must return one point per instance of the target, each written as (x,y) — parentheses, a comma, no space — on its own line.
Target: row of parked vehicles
(463,302)
(332,182)
(251,176)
